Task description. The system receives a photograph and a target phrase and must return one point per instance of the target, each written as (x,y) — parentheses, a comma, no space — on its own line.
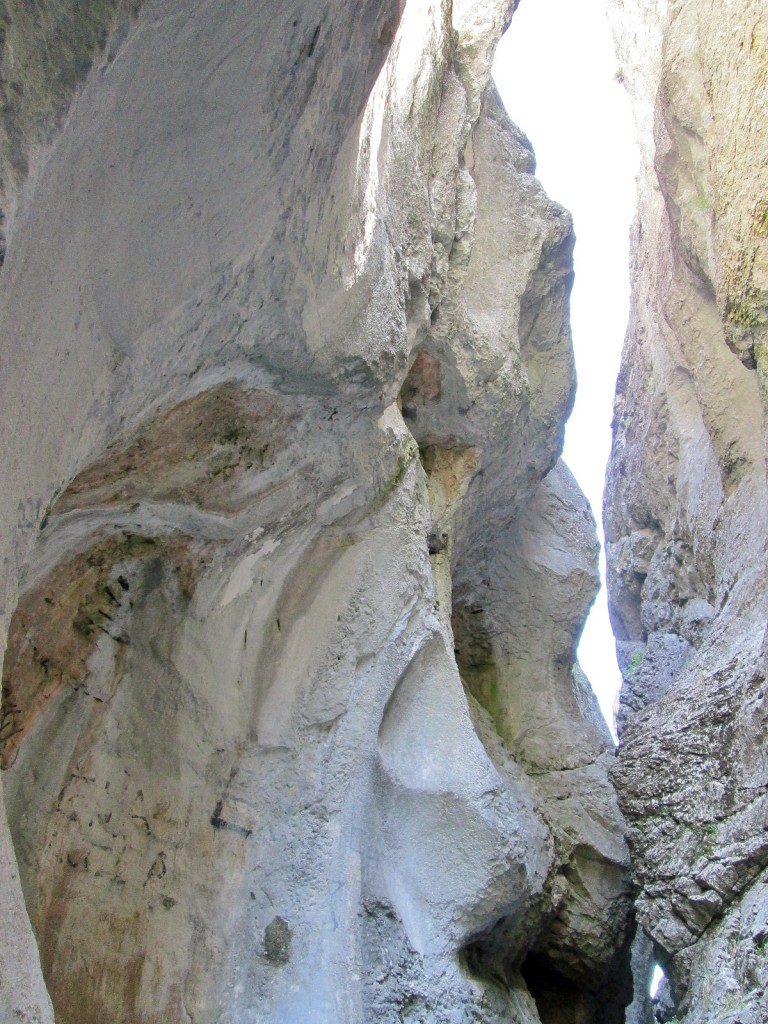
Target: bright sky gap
(557,73)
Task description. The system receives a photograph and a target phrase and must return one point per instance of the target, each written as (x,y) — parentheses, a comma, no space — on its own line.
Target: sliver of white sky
(556,71)
(656,979)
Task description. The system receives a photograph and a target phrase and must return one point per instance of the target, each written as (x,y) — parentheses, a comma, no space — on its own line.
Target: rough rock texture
(292,729)
(686,503)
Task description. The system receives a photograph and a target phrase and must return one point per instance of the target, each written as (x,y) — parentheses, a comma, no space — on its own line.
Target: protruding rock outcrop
(292,729)
(686,503)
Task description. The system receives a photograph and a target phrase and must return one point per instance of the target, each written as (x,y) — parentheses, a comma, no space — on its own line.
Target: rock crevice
(293,575)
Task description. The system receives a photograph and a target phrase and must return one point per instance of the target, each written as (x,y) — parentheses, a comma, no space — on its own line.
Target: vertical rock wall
(686,502)
(292,729)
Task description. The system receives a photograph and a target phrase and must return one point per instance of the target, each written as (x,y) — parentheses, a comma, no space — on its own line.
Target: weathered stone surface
(286,363)
(47,48)
(686,500)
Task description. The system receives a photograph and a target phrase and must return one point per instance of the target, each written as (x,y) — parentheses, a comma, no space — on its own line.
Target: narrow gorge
(293,728)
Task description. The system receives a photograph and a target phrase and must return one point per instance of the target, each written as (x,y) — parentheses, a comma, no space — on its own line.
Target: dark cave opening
(558,999)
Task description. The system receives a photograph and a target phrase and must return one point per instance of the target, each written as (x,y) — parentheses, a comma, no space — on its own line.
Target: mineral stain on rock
(199,452)
(276,946)
(58,622)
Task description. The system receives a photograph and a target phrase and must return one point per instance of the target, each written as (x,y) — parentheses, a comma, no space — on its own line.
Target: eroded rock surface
(686,503)
(292,729)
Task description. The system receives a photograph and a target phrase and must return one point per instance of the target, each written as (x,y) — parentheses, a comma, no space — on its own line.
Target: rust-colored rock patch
(196,453)
(424,382)
(58,622)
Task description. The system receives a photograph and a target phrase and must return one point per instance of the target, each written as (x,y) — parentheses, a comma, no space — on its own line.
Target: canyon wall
(686,503)
(292,576)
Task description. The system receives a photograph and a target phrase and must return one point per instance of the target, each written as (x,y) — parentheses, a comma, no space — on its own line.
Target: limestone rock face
(292,729)
(686,502)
